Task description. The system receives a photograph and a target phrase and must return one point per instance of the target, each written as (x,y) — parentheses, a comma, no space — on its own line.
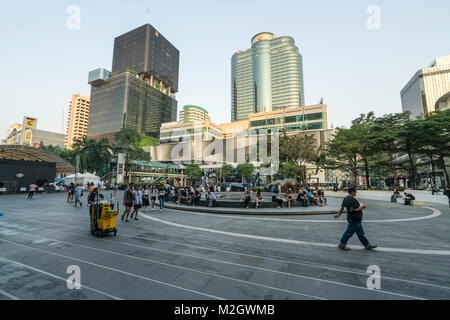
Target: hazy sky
(354,68)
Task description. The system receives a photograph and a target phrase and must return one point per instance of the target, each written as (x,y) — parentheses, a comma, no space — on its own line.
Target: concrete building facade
(426,87)
(193,113)
(77,121)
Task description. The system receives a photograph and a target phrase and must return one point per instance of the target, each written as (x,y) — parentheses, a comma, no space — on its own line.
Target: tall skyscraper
(266,77)
(193,113)
(426,87)
(140,91)
(77,122)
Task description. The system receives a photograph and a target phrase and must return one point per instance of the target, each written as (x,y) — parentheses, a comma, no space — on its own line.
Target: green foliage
(290,170)
(94,155)
(296,151)
(131,71)
(128,141)
(372,144)
(225,171)
(193,171)
(148,141)
(245,170)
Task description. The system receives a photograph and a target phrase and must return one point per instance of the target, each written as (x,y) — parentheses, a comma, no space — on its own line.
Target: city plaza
(182,254)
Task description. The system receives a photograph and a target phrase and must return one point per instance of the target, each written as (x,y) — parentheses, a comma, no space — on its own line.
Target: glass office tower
(140,91)
(266,77)
(145,50)
(421,93)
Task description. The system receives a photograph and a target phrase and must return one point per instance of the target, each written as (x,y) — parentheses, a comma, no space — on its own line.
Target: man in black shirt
(408,199)
(128,201)
(354,218)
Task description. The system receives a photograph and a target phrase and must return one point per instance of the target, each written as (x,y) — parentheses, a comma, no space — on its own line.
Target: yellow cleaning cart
(103,218)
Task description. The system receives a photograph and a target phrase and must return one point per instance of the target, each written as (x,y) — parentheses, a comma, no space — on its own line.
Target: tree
(193,171)
(94,155)
(299,149)
(409,136)
(225,171)
(245,170)
(128,141)
(363,128)
(385,131)
(435,139)
(343,152)
(290,170)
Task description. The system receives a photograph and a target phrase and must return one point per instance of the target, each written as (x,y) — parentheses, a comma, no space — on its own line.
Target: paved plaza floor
(197,255)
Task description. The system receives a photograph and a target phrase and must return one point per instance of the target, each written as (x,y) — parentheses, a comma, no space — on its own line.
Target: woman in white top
(137,201)
(153,194)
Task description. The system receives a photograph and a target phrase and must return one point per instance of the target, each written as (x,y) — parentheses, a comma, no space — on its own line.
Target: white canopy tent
(83,178)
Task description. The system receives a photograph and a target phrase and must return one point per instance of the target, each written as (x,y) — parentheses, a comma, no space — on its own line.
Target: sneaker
(161,210)
(153,209)
(370,247)
(343,247)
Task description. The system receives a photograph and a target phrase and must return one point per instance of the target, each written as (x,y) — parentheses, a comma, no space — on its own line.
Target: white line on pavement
(311,243)
(9,295)
(202,272)
(230,252)
(116,270)
(56,277)
(436,213)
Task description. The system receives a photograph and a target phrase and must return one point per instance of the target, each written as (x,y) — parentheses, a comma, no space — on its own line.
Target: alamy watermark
(74,279)
(374,19)
(374,280)
(73,21)
(241,146)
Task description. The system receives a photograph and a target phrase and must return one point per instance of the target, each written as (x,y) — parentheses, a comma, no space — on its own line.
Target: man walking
(128,201)
(354,218)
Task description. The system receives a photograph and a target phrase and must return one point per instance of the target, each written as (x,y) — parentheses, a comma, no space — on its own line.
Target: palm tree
(94,155)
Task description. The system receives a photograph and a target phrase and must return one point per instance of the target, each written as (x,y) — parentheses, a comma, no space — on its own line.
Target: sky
(357,62)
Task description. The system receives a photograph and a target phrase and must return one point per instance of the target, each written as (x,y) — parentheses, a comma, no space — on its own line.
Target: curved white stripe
(290,241)
(315,265)
(113,269)
(9,295)
(58,277)
(436,213)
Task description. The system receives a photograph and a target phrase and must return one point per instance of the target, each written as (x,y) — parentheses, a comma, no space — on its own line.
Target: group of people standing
(75,192)
(136,197)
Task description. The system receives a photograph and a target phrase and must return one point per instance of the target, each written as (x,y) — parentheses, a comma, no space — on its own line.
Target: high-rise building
(266,77)
(149,54)
(77,122)
(193,113)
(140,91)
(426,87)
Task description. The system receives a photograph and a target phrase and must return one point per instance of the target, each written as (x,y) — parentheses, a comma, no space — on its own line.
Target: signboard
(28,136)
(2,189)
(120,167)
(23,189)
(40,189)
(30,122)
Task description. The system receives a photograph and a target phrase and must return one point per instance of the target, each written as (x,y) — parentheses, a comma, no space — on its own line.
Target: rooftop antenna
(321,101)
